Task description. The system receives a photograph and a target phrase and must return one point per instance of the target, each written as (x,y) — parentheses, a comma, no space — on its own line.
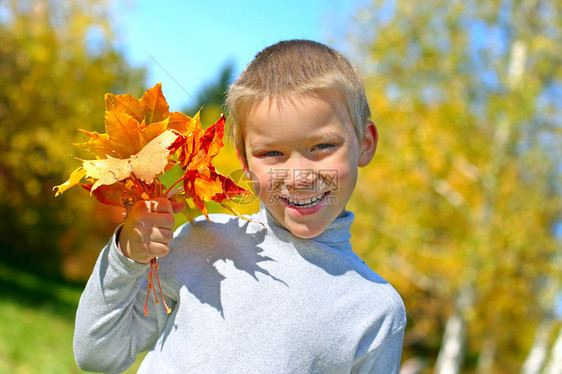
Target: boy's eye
(323,146)
(270,154)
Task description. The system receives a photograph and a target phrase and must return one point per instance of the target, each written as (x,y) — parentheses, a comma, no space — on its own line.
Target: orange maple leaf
(151,107)
(130,124)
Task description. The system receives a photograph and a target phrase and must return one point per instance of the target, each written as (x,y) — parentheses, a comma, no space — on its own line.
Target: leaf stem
(148,288)
(172,186)
(156,267)
(143,185)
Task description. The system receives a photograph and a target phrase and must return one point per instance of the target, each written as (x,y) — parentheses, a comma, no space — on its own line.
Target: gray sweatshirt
(245,299)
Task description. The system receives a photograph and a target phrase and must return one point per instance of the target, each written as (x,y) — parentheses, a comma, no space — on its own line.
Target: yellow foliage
(460,193)
(52,83)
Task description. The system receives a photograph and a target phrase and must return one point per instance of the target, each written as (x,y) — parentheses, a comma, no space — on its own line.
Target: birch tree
(465,188)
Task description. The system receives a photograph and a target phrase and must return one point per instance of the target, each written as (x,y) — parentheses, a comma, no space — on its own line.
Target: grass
(37,324)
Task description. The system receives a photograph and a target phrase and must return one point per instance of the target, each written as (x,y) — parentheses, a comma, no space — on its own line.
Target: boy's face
(305,156)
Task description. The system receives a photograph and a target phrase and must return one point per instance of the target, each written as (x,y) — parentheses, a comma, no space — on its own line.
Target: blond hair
(290,70)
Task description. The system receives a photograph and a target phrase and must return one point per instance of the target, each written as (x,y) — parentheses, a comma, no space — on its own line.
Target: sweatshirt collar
(337,232)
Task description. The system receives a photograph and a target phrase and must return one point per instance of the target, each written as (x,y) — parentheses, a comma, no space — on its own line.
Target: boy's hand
(148,230)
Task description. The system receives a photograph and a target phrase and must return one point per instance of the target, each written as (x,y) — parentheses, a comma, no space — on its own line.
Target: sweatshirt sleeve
(111,328)
(384,359)
(380,350)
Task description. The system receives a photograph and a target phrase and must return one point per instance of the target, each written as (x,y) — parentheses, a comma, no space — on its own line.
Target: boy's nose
(299,175)
(300,179)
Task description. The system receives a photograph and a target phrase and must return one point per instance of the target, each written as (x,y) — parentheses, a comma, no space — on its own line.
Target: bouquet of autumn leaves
(143,140)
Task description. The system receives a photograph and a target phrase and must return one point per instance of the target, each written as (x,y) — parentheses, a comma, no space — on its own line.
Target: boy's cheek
(330,178)
(262,184)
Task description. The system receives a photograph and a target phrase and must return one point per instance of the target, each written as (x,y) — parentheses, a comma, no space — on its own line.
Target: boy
(288,296)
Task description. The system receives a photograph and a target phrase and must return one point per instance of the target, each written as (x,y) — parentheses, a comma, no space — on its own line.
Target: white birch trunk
(451,353)
(554,365)
(537,355)
(452,349)
(486,357)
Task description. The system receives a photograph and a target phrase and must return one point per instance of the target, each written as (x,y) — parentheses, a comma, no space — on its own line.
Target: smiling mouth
(307,203)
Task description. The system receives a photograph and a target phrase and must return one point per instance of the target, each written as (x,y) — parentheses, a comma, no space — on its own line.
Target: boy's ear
(368,145)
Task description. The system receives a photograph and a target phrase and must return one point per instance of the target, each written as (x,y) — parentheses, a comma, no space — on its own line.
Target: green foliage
(462,193)
(57,61)
(212,95)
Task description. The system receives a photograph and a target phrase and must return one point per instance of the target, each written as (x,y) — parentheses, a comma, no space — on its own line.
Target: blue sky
(192,40)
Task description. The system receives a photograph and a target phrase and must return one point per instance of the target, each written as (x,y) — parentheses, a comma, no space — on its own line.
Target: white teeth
(305,203)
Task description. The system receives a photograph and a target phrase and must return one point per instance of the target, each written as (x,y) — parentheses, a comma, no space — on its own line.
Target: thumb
(177,206)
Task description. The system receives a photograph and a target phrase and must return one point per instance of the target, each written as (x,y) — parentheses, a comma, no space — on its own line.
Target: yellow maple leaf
(145,165)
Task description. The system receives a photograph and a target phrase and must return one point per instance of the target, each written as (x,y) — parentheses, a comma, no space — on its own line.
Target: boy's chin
(306,226)
(306,235)
(304,231)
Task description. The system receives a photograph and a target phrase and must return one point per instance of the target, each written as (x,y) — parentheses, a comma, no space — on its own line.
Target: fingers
(158,213)
(160,220)
(159,205)
(162,205)
(142,246)
(148,230)
(155,249)
(157,227)
(160,235)
(177,206)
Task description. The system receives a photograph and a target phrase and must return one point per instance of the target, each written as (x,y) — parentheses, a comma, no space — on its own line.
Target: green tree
(57,60)
(464,188)
(212,95)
